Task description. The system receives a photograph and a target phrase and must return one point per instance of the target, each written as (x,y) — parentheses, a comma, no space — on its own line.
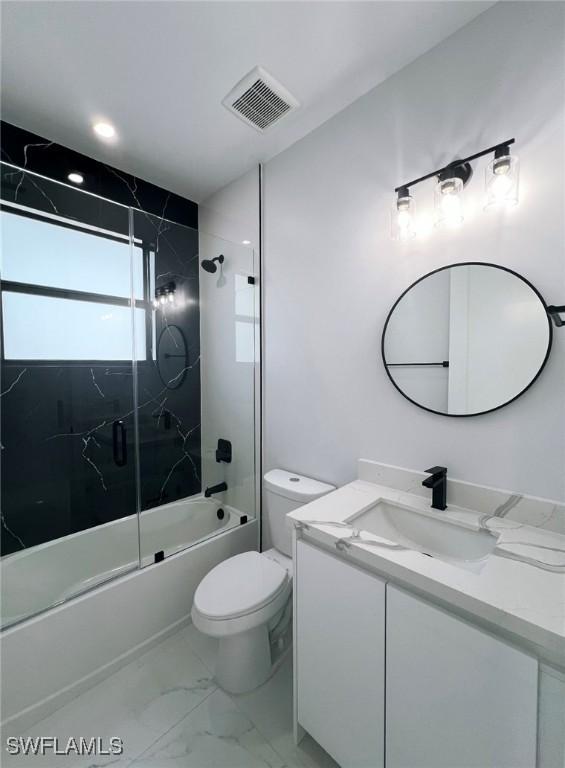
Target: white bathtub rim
(110,524)
(111,582)
(124,569)
(233,514)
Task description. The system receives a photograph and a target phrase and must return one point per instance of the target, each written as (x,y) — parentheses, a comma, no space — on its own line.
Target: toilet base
(244,660)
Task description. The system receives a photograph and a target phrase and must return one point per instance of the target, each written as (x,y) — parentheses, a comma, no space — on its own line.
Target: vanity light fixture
(402,221)
(76,178)
(164,295)
(555,313)
(501,186)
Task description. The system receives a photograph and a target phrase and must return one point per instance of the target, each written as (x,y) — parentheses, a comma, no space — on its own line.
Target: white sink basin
(430,535)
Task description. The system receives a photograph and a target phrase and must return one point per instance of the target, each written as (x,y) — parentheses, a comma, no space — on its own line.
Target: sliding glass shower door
(68,498)
(128,390)
(196,387)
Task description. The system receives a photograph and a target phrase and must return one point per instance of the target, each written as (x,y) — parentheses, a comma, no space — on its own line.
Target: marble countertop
(519,588)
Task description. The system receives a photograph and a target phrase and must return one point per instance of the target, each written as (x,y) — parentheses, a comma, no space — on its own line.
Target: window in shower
(66,292)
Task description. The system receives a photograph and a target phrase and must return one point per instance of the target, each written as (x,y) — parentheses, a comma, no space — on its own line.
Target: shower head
(209,264)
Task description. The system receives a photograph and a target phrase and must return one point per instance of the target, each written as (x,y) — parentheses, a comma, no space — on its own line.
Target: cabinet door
(340,615)
(456,697)
(551,737)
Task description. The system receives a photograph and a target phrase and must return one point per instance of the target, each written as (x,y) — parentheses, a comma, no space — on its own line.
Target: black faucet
(215,489)
(437,481)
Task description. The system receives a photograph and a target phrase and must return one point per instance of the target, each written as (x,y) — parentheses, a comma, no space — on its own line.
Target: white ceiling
(159,70)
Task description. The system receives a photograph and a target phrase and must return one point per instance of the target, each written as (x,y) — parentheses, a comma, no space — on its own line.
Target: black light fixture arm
(555,313)
(496,149)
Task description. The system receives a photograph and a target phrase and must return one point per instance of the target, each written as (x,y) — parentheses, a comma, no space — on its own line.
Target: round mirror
(466,339)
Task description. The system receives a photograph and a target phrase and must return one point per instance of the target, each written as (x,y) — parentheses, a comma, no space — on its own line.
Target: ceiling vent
(259,100)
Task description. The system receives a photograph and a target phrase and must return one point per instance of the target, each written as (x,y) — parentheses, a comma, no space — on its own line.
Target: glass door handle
(120,444)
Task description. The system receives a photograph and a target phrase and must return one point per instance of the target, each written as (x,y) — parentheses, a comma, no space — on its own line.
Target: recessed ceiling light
(246,242)
(104,130)
(76,178)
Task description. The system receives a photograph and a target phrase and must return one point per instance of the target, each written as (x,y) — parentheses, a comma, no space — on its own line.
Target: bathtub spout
(215,489)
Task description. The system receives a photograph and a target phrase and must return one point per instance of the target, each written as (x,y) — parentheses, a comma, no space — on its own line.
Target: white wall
(233,211)
(229,335)
(332,271)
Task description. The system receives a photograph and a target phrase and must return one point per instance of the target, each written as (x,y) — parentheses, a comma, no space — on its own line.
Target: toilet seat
(240,586)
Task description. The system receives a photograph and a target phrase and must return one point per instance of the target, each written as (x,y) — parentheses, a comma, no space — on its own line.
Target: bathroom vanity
(416,631)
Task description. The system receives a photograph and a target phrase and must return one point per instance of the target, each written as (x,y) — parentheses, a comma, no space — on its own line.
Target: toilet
(246,600)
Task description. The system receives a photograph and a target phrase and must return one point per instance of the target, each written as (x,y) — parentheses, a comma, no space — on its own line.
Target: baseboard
(21,721)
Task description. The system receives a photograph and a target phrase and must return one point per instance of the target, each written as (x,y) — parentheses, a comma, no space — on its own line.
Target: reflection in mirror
(466,339)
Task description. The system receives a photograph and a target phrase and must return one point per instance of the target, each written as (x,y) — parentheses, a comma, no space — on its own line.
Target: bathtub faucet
(215,489)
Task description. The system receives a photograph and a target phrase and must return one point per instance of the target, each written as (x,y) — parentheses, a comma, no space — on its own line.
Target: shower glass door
(196,387)
(68,300)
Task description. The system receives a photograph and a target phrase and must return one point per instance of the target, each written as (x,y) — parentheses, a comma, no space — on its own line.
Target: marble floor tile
(170,714)
(138,704)
(214,735)
(270,710)
(204,646)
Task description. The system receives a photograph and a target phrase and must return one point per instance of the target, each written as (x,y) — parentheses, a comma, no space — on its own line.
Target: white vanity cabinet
(455,695)
(340,656)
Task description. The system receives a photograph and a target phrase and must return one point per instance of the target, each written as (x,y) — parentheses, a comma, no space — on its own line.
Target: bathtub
(180,524)
(41,577)
(53,656)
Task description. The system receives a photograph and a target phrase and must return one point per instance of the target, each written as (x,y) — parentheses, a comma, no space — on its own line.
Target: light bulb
(449,204)
(501,186)
(501,165)
(162,298)
(402,222)
(171,297)
(404,219)
(155,304)
(501,180)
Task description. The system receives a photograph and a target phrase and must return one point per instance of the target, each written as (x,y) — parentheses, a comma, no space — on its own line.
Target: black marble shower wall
(63,466)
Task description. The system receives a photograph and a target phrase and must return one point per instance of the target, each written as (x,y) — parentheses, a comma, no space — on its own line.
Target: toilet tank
(285,492)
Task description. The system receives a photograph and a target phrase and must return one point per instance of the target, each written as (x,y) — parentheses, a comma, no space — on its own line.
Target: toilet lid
(239,585)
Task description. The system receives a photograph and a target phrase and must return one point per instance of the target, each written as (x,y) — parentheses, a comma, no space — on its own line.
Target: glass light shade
(449,202)
(501,181)
(402,220)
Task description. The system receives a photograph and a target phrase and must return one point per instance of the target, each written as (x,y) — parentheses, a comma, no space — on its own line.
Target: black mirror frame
(468,264)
